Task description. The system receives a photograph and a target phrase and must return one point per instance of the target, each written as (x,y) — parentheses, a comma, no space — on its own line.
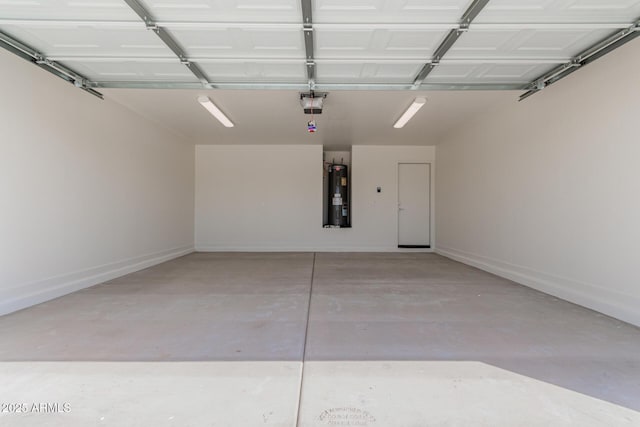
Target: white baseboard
(615,304)
(207,248)
(23,296)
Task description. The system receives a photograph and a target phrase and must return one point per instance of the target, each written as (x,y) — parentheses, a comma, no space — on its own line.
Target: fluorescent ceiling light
(411,111)
(215,111)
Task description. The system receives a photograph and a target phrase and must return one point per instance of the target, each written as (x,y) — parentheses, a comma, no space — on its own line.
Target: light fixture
(312,102)
(411,111)
(215,111)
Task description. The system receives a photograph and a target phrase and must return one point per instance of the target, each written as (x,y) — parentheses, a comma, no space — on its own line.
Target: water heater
(338,195)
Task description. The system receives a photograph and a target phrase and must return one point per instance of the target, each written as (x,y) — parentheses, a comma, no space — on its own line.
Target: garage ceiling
(275,117)
(359,44)
(374,56)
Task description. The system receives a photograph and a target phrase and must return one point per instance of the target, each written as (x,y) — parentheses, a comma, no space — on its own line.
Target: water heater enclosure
(338,195)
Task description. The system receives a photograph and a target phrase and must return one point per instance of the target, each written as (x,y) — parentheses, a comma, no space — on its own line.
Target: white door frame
(429,196)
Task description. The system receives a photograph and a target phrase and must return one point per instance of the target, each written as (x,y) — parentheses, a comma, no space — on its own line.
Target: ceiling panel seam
(304,86)
(483,26)
(375,60)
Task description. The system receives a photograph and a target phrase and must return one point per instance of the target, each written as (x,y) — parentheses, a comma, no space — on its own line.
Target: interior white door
(414,225)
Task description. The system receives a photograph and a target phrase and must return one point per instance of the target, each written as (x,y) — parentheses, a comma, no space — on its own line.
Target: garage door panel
(525,43)
(241,43)
(225,11)
(64,9)
(89,40)
(134,70)
(370,72)
(487,73)
(376,11)
(376,43)
(247,71)
(560,11)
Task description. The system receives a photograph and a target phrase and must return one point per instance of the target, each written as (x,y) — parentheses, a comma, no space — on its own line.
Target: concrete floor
(372,329)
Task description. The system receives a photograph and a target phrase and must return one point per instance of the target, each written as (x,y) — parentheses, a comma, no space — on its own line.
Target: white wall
(88,190)
(547,191)
(251,197)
